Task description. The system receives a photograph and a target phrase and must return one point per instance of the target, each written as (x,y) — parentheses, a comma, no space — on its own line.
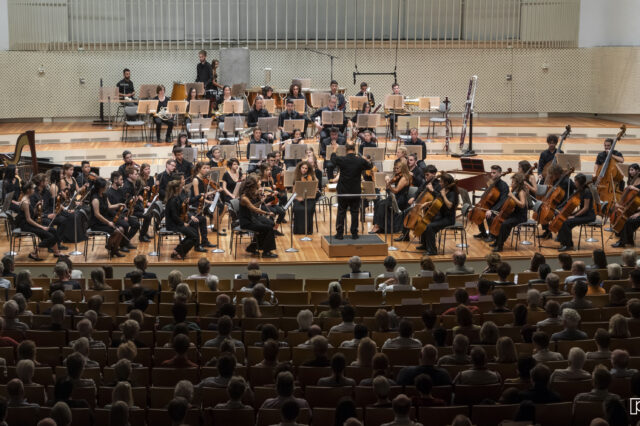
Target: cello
(412,218)
(490,196)
(608,176)
(551,200)
(629,205)
(507,208)
(431,212)
(560,217)
(545,170)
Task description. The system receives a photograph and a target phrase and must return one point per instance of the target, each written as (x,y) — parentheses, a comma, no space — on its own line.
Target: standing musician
(268,187)
(256,139)
(127,157)
(503,188)
(182,166)
(117,198)
(633,221)
(201,189)
(398,185)
(353,122)
(530,182)
(187,226)
(231,180)
(602,156)
(162,116)
(445,217)
(204,72)
(215,157)
(26,220)
(101,218)
(289,114)
(256,219)
(518,194)
(132,189)
(430,183)
(556,173)
(68,183)
(165,177)
(342,102)
(585,214)
(324,128)
(258,111)
(334,140)
(364,91)
(367,140)
(349,182)
(125,86)
(548,154)
(414,140)
(304,172)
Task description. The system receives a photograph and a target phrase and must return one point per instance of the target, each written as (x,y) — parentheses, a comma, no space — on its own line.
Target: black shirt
(417,177)
(163,180)
(450,213)
(103,208)
(351,167)
(172,214)
(504,193)
(586,197)
(125,86)
(546,156)
(185,168)
(603,156)
(439,376)
(342,103)
(372,99)
(418,142)
(115,196)
(254,114)
(363,145)
(204,74)
(285,115)
(122,169)
(327,141)
(162,104)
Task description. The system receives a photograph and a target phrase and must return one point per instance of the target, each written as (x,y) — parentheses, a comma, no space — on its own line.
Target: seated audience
(359,332)
(499,301)
(541,352)
(355,264)
(574,371)
(337,378)
(489,333)
(478,374)
(181,346)
(617,296)
(236,389)
(380,367)
(525,364)
(320,346)
(618,327)
(503,271)
(381,388)
(366,351)
(459,268)
(620,363)
(462,298)
(424,384)
(539,393)
(553,287)
(401,407)
(225,325)
(284,389)
(460,352)
(601,379)
(603,339)
(571,321)
(347,325)
(578,273)
(405,339)
(553,311)
(428,359)
(15,395)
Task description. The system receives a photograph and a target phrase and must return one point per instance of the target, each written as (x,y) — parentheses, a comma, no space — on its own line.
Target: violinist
(633,221)
(182,166)
(548,154)
(256,219)
(145,176)
(445,217)
(215,157)
(304,172)
(503,188)
(585,214)
(429,183)
(102,215)
(414,140)
(600,159)
(183,140)
(231,179)
(117,198)
(84,177)
(165,177)
(256,139)
(42,196)
(187,225)
(530,182)
(127,157)
(518,194)
(26,221)
(258,111)
(557,176)
(199,189)
(132,188)
(334,140)
(398,185)
(68,183)
(367,140)
(277,172)
(288,114)
(268,187)
(401,153)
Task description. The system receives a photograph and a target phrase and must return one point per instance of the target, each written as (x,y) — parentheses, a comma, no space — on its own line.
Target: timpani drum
(179,92)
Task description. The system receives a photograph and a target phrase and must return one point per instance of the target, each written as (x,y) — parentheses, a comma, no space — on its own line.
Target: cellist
(503,188)
(633,222)
(600,159)
(445,217)
(556,172)
(585,214)
(548,154)
(430,183)
(518,194)
(530,182)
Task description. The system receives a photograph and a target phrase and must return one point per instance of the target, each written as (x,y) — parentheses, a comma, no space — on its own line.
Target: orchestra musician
(215,157)
(26,221)
(295,138)
(398,185)
(214,68)
(102,215)
(367,140)
(334,140)
(353,122)
(268,187)
(160,118)
(349,182)
(518,193)
(305,172)
(296,93)
(324,128)
(183,140)
(68,183)
(231,180)
(267,92)
(83,178)
(256,219)
(187,226)
(602,156)
(182,166)
(342,102)
(395,90)
(401,153)
(530,183)
(633,221)
(117,198)
(132,188)
(364,91)
(192,96)
(548,154)
(555,173)
(258,111)
(11,183)
(225,96)
(51,201)
(445,217)
(198,189)
(165,177)
(204,72)
(127,157)
(417,174)
(503,188)
(585,214)
(414,140)
(256,139)
(430,182)
(273,159)
(288,114)
(125,86)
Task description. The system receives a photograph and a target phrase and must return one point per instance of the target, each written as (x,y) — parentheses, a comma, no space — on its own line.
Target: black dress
(97,225)
(518,216)
(231,186)
(299,211)
(402,199)
(174,222)
(194,201)
(564,234)
(445,217)
(48,239)
(9,186)
(261,225)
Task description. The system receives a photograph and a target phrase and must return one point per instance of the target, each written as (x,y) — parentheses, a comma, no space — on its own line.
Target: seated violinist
(215,157)
(585,213)
(497,182)
(277,176)
(446,216)
(399,187)
(270,202)
(175,220)
(633,221)
(519,215)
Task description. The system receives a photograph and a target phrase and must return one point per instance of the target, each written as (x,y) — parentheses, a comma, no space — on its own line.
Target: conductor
(351,168)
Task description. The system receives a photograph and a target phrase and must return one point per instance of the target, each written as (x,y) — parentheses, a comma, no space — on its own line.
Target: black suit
(204,74)
(351,168)
(328,164)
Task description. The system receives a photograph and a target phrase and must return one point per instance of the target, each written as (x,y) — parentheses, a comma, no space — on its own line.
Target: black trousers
(385,208)
(428,237)
(146,221)
(201,226)
(133,226)
(353,204)
(482,228)
(103,227)
(159,122)
(505,229)
(189,240)
(298,216)
(48,238)
(263,228)
(278,210)
(626,235)
(564,234)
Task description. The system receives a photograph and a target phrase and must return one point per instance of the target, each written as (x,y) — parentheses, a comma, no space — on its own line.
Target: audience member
(405,339)
(571,321)
(478,374)
(601,379)
(603,339)
(355,264)
(347,325)
(459,268)
(541,352)
(578,273)
(401,407)
(236,389)
(574,371)
(381,388)
(428,359)
(460,352)
(359,332)
(337,378)
(620,363)
(424,384)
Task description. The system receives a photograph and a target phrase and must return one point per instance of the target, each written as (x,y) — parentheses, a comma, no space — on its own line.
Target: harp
(26,138)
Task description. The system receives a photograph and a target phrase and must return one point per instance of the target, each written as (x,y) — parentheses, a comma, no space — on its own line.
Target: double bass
(431,212)
(490,196)
(608,176)
(551,200)
(545,170)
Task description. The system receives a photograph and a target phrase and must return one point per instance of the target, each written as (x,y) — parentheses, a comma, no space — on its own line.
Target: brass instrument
(164,114)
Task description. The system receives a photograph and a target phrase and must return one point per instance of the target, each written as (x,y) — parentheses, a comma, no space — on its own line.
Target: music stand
(258,151)
(199,107)
(377,154)
(233,107)
(177,107)
(146,108)
(367,121)
(320,99)
(290,125)
(216,173)
(299,105)
(109,95)
(289,177)
(295,151)
(340,151)
(414,149)
(408,122)
(308,191)
(393,103)
(147,91)
(569,160)
(199,88)
(333,118)
(291,249)
(268,124)
(228,151)
(233,123)
(424,104)
(356,102)
(472,164)
(379,179)
(269,105)
(238,90)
